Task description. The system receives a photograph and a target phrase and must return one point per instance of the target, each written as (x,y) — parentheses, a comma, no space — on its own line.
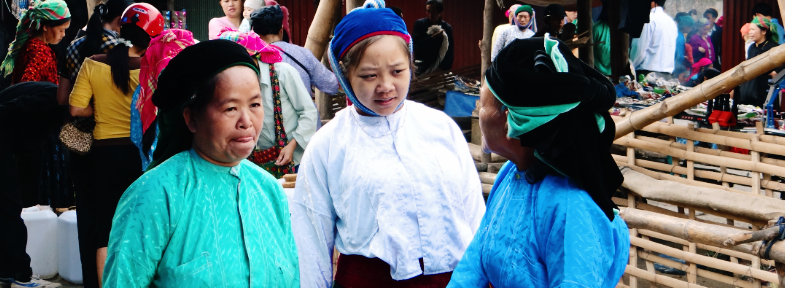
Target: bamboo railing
(711,190)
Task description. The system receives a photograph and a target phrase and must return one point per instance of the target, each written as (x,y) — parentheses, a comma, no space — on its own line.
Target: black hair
(769,35)
(118,56)
(762,8)
(267,21)
(693,12)
(103,13)
(437,3)
(711,11)
(204,94)
(397,11)
(661,3)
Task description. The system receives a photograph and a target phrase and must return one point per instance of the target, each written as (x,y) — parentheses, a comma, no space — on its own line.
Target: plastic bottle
(41,225)
(69,261)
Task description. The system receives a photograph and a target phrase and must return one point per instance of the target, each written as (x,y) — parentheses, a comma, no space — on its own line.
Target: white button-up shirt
(655,50)
(398,188)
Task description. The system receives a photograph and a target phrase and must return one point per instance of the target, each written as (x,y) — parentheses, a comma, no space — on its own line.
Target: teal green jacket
(190,223)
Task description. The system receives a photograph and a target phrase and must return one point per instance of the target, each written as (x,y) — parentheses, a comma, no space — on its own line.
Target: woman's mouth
(245,139)
(384,102)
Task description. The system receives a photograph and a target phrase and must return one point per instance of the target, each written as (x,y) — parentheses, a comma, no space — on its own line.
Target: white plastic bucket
(68,258)
(41,225)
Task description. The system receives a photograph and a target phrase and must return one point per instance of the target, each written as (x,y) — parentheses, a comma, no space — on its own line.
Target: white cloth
(655,50)
(298,111)
(507,36)
(398,188)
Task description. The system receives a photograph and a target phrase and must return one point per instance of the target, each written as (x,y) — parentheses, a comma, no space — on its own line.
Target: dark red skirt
(356,271)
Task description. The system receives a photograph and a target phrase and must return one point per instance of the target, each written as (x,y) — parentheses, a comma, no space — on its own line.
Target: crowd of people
(174,147)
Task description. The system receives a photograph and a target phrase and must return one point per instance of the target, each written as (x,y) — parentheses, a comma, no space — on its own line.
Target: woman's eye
(256,105)
(231,109)
(369,76)
(398,71)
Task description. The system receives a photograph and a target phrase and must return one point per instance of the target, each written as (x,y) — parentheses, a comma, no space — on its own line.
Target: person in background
(602,38)
(554,21)
(550,220)
(745,35)
(29,57)
(720,21)
(764,10)
(685,24)
(397,11)
(764,35)
(248,7)
(696,72)
(287,33)
(681,73)
(655,50)
(144,115)
(289,114)
(233,9)
(203,216)
(510,14)
(268,23)
(572,17)
(389,182)
(104,89)
(523,27)
(716,36)
(701,42)
(29,113)
(694,14)
(101,36)
(434,46)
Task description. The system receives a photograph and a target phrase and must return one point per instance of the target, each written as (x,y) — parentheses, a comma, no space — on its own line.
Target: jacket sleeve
(321,77)
(446,63)
(83,90)
(302,104)
(313,222)
(139,237)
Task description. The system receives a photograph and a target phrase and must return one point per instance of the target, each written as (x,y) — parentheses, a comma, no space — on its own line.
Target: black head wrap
(575,143)
(179,83)
(267,20)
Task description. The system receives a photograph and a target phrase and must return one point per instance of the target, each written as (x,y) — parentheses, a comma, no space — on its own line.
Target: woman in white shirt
(389,183)
(524,26)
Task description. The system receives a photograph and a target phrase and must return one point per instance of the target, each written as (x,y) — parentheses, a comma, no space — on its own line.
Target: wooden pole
(321,27)
(620,42)
(585,23)
(485,51)
(709,89)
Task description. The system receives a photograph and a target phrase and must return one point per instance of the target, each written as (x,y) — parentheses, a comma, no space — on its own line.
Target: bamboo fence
(713,188)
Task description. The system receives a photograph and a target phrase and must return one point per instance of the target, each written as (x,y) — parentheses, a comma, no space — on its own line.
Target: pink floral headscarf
(253,43)
(161,50)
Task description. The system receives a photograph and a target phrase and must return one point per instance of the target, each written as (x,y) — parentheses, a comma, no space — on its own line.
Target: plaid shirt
(73,59)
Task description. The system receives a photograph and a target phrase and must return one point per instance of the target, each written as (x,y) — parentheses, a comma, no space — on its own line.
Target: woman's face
(756,34)
(53,34)
(493,124)
(382,77)
(226,131)
(433,13)
(523,18)
(705,30)
(232,8)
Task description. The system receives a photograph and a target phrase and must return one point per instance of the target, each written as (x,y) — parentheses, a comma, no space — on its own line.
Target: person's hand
(772,74)
(285,157)
(703,50)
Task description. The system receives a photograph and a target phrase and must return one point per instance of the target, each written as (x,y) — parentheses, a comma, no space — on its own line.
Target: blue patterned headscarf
(370,20)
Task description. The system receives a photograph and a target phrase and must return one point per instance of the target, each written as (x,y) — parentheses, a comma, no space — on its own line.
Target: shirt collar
(110,33)
(376,126)
(201,162)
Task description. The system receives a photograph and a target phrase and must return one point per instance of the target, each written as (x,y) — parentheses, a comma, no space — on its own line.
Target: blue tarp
(459,104)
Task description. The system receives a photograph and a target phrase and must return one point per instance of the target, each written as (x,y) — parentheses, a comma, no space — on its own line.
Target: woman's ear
(189,120)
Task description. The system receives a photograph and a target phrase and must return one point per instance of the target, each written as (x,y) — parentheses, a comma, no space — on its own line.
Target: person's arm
(301,101)
(499,45)
(64,90)
(82,93)
(313,221)
(140,234)
(321,77)
(214,28)
(473,202)
(446,63)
